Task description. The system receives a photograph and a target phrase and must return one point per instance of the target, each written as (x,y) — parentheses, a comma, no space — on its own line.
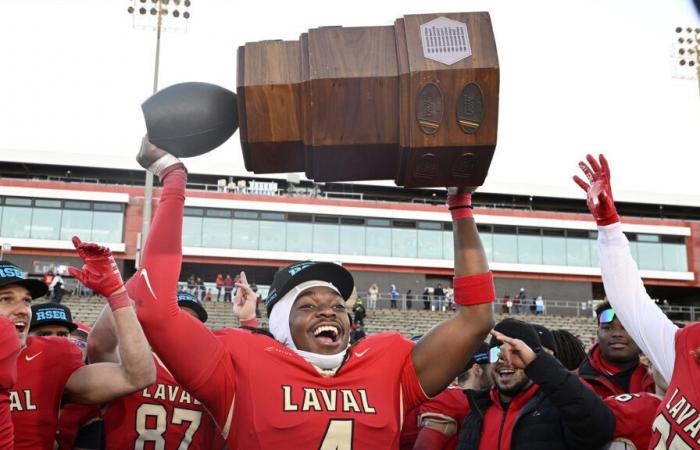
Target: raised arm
(653,332)
(443,351)
(189,350)
(103,382)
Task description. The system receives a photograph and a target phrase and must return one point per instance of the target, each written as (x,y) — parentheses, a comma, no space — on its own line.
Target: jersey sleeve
(653,332)
(9,348)
(191,352)
(69,359)
(411,390)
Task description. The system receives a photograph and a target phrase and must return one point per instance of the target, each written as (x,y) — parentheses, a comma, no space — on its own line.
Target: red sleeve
(9,348)
(429,439)
(413,394)
(191,352)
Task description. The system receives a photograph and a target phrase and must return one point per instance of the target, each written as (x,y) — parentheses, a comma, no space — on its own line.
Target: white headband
(279,326)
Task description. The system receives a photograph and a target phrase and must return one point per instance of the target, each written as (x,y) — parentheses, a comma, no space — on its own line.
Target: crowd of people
(149,374)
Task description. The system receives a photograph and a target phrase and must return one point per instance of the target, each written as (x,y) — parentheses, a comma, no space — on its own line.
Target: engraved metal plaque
(445,40)
(429,108)
(470,108)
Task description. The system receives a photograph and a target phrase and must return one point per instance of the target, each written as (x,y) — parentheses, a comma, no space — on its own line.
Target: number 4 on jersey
(338,435)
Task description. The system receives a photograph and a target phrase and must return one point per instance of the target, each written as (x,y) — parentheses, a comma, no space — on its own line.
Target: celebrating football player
(164,415)
(51,369)
(673,351)
(9,348)
(304,386)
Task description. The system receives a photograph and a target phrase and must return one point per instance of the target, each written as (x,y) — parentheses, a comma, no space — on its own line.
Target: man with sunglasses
(612,366)
(535,403)
(673,351)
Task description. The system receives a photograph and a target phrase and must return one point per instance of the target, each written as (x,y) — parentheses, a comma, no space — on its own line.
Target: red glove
(100,272)
(600,199)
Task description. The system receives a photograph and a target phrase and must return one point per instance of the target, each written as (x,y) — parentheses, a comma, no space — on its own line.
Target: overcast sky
(576,76)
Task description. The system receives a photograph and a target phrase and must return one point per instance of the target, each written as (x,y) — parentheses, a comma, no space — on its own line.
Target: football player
(674,352)
(9,348)
(51,369)
(304,386)
(162,416)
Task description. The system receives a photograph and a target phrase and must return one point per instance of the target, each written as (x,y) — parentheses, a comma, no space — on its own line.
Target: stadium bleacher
(408,322)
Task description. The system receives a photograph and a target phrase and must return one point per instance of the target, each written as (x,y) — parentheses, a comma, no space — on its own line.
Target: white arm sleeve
(653,332)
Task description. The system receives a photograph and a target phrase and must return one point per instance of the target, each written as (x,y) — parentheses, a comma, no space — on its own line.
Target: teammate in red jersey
(9,348)
(50,369)
(305,388)
(435,424)
(634,415)
(674,352)
(80,426)
(163,415)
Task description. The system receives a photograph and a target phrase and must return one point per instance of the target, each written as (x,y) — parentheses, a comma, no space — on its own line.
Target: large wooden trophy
(416,102)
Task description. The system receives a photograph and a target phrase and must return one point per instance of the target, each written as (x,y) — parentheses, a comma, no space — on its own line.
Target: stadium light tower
(686,53)
(167,14)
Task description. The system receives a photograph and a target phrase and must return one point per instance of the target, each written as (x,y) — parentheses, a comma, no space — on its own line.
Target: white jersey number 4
(338,435)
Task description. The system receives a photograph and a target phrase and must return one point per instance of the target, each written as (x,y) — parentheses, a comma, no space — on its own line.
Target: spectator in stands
(372,296)
(439,294)
(539,305)
(409,299)
(507,305)
(359,310)
(201,289)
(48,280)
(612,366)
(191,284)
(228,287)
(207,298)
(535,403)
(219,285)
(58,289)
(426,299)
(394,295)
(520,301)
(569,349)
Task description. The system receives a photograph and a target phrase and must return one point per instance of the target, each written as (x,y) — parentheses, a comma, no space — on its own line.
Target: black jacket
(564,414)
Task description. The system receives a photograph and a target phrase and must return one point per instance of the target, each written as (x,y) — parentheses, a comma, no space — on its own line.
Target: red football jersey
(43,368)
(449,405)
(71,419)
(265,396)
(163,415)
(677,423)
(634,414)
(9,347)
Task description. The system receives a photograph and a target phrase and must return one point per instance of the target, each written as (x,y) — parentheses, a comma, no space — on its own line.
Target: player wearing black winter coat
(564,414)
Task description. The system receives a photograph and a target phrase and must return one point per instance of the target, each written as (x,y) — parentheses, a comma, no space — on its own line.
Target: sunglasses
(494,354)
(606,316)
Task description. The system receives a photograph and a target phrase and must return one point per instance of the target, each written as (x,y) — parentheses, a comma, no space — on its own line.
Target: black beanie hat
(517,329)
(546,337)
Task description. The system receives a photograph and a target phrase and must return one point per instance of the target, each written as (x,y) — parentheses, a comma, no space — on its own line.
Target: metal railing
(527,307)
